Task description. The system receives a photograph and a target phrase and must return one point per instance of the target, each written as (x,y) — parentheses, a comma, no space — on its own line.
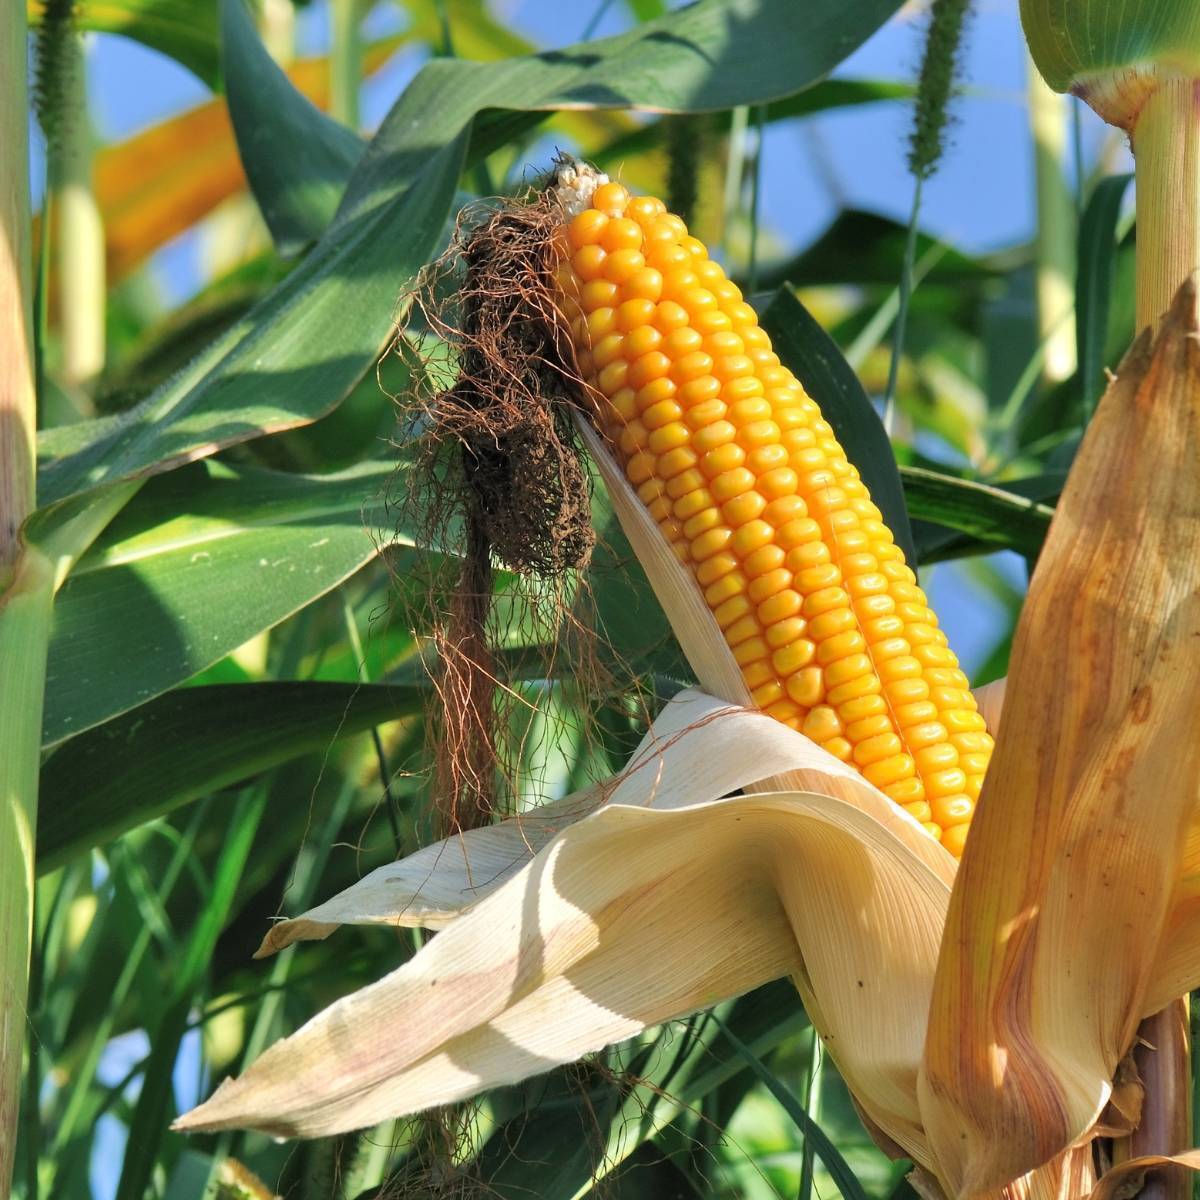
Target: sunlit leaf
(289,360)
(190,743)
(702,57)
(161,181)
(297,158)
(987,514)
(201,561)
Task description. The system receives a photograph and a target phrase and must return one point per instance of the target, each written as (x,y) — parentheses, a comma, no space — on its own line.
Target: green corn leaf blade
(185,30)
(296,158)
(670,1084)
(839,1170)
(292,358)
(201,561)
(704,57)
(647,10)
(829,379)
(955,518)
(1093,284)
(155,1108)
(190,743)
(566,1135)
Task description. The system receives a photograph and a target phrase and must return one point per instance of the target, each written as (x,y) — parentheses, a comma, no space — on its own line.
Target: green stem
(26,583)
(1054,246)
(345,61)
(907,283)
(18,413)
(812,1105)
(80,267)
(760,124)
(735,172)
(1166,146)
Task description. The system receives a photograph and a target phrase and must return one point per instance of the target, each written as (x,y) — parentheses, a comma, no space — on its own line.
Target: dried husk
(1064,897)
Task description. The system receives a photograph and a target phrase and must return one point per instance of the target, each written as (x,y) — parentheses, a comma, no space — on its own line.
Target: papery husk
(698,749)
(628,918)
(1066,887)
(1127,1178)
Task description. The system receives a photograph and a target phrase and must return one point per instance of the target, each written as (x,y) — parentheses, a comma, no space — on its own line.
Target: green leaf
(185,30)
(190,743)
(647,10)
(866,248)
(155,1106)
(566,1137)
(704,57)
(297,159)
(293,357)
(992,518)
(1075,41)
(201,561)
(829,379)
(1093,283)
(839,1170)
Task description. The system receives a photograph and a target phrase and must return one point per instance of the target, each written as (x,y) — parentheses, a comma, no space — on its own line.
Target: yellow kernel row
(751,489)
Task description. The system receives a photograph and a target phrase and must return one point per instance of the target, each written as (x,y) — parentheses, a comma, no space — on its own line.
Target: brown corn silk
(501,482)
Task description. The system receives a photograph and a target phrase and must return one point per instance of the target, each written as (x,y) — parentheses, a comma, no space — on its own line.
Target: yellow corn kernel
(749,485)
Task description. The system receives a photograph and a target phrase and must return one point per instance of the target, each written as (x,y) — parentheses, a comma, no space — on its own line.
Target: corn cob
(754,494)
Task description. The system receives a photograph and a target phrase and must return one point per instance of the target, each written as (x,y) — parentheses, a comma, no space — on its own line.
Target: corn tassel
(748,484)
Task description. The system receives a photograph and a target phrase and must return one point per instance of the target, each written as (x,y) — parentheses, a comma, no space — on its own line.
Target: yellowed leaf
(160,182)
(1125,1178)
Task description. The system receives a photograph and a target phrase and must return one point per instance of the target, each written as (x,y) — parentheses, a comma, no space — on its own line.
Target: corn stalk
(80,229)
(1054,268)
(1166,143)
(26,582)
(345,61)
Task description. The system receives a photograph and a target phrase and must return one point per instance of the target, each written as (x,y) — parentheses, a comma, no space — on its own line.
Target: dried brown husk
(1064,897)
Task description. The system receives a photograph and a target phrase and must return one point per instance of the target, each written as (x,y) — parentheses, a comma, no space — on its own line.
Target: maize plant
(982,905)
(859,748)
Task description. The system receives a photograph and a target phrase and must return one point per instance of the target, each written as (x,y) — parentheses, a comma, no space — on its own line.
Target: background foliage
(237,710)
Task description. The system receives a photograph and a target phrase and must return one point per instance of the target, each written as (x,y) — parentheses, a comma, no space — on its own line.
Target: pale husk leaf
(628,918)
(1065,888)
(698,634)
(990,699)
(698,749)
